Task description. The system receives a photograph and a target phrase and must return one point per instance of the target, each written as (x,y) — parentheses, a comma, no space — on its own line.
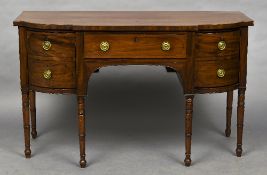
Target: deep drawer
(52,74)
(216,73)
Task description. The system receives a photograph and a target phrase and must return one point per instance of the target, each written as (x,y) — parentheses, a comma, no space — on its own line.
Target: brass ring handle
(47,74)
(104,46)
(165,46)
(220,73)
(47,45)
(221,45)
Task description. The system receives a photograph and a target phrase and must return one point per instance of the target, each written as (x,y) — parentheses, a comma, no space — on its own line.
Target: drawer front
(51,46)
(216,45)
(216,73)
(52,74)
(135,45)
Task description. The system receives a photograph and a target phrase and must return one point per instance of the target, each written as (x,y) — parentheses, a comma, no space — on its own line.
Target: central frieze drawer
(135,45)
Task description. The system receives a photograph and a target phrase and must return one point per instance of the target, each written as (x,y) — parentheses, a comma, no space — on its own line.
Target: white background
(134,113)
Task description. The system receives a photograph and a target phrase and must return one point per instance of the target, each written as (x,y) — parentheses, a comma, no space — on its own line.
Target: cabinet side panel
(243,56)
(24,78)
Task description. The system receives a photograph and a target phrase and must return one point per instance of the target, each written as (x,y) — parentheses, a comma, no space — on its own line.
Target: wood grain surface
(62,45)
(133,20)
(63,74)
(206,73)
(135,45)
(207,45)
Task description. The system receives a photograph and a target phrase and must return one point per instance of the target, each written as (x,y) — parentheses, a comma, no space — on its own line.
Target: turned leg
(26,123)
(188,128)
(33,113)
(81,117)
(240,120)
(229,113)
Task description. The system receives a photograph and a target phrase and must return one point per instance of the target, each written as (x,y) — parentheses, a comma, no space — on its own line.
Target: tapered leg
(188,128)
(240,120)
(33,113)
(81,117)
(229,113)
(26,123)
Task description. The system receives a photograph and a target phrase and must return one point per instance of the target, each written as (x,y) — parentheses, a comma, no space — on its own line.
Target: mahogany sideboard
(59,51)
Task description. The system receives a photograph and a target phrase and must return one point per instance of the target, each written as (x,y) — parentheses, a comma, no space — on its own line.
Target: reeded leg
(240,120)
(188,128)
(33,113)
(229,113)
(26,123)
(81,117)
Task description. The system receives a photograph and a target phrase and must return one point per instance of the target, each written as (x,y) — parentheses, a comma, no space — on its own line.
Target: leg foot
(83,163)
(227,132)
(27,153)
(81,118)
(34,134)
(238,151)
(188,128)
(187,161)
(240,120)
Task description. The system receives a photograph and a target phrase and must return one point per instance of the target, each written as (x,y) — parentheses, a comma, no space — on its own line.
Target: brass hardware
(47,45)
(104,46)
(47,74)
(221,45)
(221,73)
(165,46)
